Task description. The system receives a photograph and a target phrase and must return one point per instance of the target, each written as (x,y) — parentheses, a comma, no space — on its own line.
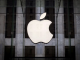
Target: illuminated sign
(38,31)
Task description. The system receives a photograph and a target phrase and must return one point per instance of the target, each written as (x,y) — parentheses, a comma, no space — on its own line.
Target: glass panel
(69,23)
(30,14)
(50,10)
(10,10)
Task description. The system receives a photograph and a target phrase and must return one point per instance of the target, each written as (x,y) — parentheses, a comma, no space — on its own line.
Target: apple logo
(38,31)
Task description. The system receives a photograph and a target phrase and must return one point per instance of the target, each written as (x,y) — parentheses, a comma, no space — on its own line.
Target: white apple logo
(38,31)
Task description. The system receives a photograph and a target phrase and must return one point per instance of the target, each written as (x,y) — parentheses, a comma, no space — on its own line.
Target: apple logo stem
(38,31)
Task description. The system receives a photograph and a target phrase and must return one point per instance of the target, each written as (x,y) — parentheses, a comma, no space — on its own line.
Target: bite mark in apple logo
(38,31)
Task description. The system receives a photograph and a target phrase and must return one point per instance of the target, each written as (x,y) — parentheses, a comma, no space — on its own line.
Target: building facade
(16,14)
